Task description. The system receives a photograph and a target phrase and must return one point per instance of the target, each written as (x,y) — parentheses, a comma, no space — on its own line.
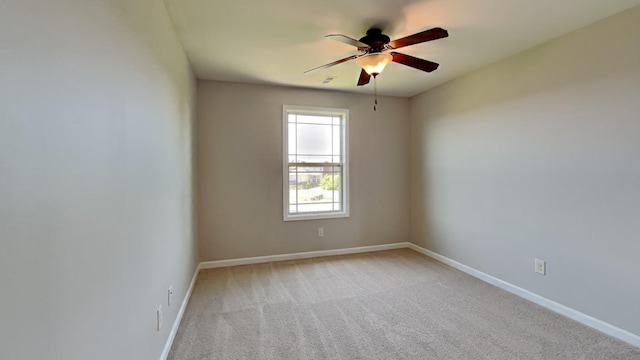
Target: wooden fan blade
(364,78)
(333,63)
(349,41)
(414,62)
(428,35)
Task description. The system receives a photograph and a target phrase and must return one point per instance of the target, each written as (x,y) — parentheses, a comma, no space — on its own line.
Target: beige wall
(96,105)
(239,165)
(538,155)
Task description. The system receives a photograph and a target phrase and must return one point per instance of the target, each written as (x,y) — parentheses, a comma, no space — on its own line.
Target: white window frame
(344,163)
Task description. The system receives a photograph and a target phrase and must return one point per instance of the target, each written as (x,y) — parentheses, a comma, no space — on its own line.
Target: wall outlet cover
(540,267)
(159,318)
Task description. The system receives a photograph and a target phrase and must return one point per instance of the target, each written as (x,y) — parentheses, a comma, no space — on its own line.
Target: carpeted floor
(394,304)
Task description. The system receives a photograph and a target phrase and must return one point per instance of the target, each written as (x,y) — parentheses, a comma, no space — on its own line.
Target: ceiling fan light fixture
(374,63)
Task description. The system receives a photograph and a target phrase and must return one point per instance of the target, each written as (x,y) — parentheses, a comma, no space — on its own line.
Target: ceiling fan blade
(427,35)
(414,62)
(333,63)
(364,78)
(349,41)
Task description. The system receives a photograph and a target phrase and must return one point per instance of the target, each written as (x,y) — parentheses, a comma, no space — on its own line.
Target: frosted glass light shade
(374,63)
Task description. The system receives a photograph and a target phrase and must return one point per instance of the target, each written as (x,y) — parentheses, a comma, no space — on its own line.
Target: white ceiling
(275,41)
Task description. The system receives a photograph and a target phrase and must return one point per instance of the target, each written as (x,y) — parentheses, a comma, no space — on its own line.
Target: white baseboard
(585,319)
(301,255)
(176,323)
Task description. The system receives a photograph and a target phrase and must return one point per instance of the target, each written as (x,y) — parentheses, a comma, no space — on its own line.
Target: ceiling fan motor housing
(376,39)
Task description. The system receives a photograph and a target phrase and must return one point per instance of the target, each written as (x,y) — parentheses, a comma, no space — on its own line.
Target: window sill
(311,216)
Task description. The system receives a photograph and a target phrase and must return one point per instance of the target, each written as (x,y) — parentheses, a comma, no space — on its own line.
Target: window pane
(315,159)
(336,140)
(315,189)
(315,119)
(312,208)
(313,139)
(292,142)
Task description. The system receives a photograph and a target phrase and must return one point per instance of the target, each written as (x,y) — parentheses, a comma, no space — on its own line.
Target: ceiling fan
(376,51)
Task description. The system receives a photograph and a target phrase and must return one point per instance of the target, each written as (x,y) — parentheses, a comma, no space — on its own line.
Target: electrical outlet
(320,232)
(170,295)
(540,266)
(159,318)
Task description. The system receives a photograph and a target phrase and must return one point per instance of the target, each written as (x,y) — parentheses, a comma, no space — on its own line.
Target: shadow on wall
(591,58)
(585,59)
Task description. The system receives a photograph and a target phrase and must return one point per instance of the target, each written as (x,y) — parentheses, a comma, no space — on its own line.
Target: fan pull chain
(375,93)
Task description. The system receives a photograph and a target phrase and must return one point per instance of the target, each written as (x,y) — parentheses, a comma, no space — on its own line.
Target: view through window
(315,163)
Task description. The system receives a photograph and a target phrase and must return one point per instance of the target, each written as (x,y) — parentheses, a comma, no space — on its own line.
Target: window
(316,176)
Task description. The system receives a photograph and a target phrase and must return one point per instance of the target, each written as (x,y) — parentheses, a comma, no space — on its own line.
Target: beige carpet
(394,304)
